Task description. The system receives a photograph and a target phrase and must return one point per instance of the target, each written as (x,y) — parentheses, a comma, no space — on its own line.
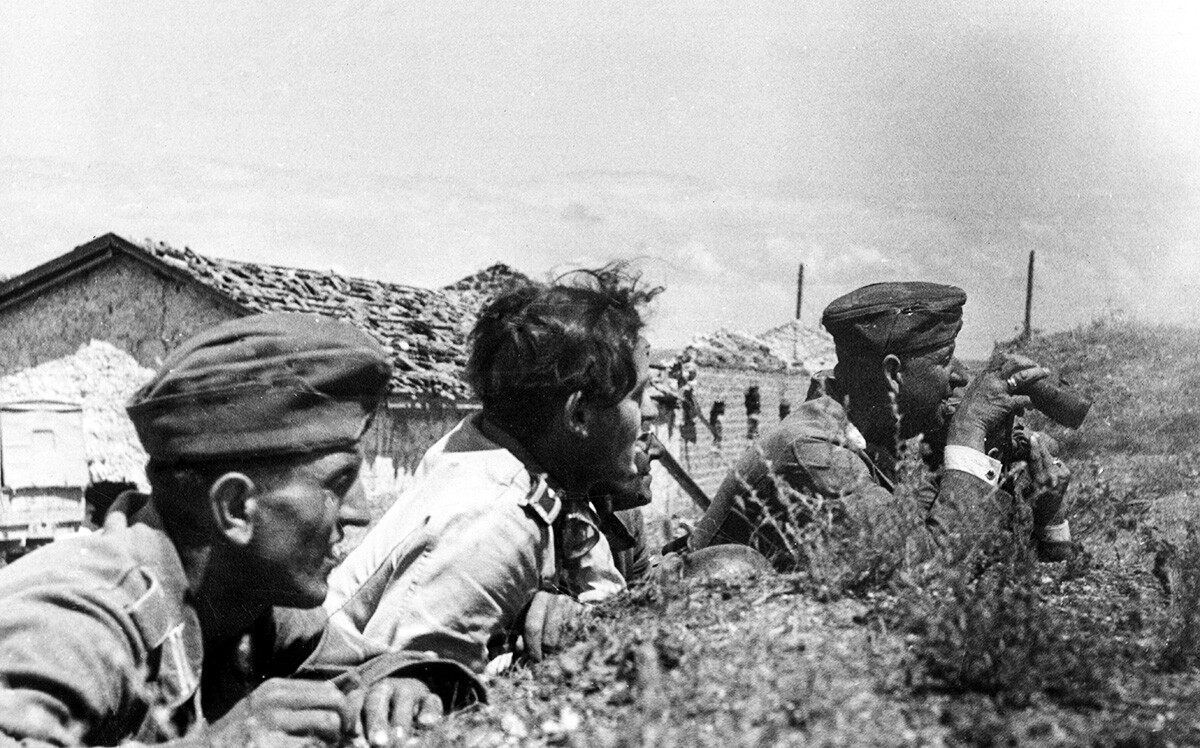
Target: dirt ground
(1102,651)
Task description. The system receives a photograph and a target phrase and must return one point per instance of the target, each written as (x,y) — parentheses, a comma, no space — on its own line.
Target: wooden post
(799,289)
(1028,332)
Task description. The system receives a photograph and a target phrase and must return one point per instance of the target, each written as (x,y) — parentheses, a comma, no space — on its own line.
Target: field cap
(899,317)
(268,384)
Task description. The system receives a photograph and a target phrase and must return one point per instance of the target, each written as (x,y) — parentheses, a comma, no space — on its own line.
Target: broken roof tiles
(425,330)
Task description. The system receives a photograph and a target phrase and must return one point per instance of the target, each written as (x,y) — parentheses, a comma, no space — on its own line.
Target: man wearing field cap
(156,630)
(896,378)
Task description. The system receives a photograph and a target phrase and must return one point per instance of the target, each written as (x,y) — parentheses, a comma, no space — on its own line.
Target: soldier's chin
(943,417)
(630,492)
(310,596)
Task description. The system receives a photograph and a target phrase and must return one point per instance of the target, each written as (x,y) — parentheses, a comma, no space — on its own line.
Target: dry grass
(889,640)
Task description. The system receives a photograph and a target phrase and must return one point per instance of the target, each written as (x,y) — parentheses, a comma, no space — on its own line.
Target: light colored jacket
(456,559)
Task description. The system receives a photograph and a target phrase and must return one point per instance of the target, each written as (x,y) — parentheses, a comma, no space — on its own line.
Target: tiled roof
(426,330)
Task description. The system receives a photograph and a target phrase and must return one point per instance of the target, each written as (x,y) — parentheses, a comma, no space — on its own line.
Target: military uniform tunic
(814,457)
(98,643)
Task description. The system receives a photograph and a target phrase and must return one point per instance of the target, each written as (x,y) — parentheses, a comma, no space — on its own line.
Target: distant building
(722,390)
(143,300)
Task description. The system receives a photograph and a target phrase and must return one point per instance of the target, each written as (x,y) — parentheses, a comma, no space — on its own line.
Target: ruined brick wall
(120,301)
(403,434)
(706,459)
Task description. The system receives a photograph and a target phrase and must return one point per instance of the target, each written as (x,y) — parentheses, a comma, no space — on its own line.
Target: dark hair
(536,343)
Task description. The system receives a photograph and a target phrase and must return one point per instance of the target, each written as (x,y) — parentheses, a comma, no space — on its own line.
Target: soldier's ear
(231,498)
(893,372)
(577,415)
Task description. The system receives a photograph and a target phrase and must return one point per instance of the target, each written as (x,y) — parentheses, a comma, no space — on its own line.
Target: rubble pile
(480,288)
(810,348)
(424,329)
(101,378)
(725,349)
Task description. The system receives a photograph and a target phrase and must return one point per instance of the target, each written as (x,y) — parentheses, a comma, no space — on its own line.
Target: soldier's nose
(959,375)
(649,410)
(354,511)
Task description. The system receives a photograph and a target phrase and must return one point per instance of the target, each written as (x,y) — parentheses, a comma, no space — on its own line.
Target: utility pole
(1028,332)
(796,327)
(799,289)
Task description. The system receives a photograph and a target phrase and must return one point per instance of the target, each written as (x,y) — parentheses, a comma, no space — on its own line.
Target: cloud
(695,257)
(728,257)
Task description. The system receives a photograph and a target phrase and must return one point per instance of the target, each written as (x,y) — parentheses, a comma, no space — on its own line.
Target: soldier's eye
(343,480)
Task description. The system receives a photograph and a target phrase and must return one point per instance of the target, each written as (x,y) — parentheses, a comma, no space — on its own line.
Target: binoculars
(1054,398)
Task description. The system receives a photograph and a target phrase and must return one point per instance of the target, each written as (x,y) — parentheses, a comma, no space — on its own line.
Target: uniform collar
(501,438)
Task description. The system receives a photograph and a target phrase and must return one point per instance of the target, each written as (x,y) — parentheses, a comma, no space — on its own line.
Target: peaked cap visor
(899,317)
(268,384)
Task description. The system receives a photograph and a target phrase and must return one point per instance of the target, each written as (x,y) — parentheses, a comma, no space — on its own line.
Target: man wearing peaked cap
(896,378)
(155,628)
(896,317)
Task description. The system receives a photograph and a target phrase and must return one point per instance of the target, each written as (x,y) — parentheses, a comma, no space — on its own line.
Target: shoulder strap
(542,501)
(172,675)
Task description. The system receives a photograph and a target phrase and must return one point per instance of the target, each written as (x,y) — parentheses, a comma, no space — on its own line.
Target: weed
(992,633)
(1183,584)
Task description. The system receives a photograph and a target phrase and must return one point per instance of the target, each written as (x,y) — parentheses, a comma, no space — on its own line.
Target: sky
(716,145)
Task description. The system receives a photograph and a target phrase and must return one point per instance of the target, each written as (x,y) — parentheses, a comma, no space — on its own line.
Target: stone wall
(100,378)
(707,459)
(120,301)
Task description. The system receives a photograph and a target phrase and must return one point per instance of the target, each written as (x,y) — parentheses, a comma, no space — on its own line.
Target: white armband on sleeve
(972,461)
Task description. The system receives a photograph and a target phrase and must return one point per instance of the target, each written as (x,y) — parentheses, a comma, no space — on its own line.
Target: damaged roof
(425,329)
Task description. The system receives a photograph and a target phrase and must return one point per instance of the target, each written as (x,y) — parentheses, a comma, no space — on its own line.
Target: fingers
(322,724)
(285,708)
(350,684)
(1048,470)
(561,614)
(115,520)
(119,512)
(548,623)
(299,694)
(431,710)
(377,715)
(1039,456)
(393,706)
(1020,370)
(1022,378)
(535,625)
(304,707)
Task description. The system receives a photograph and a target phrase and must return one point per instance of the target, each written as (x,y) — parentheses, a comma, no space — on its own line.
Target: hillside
(890,641)
(1143,380)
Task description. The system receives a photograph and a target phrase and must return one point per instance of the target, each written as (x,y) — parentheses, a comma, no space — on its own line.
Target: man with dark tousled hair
(506,529)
